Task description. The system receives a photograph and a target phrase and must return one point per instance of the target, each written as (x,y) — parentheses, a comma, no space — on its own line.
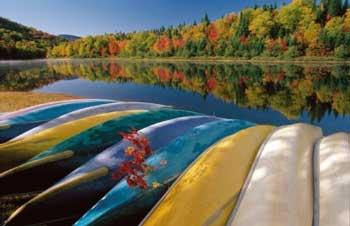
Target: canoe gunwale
(250,175)
(316,183)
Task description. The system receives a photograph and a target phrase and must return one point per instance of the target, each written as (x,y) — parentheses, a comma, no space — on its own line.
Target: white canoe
(279,189)
(332,181)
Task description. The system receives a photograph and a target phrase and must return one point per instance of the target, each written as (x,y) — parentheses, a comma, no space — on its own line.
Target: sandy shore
(11,101)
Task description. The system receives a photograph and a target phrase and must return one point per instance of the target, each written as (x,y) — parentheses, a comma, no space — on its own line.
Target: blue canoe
(78,191)
(8,115)
(58,161)
(14,126)
(86,112)
(123,201)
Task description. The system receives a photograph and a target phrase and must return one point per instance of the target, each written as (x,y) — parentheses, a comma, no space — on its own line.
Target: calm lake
(261,93)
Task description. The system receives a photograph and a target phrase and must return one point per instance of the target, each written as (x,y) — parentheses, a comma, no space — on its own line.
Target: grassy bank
(11,101)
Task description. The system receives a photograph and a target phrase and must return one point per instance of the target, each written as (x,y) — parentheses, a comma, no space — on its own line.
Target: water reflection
(289,89)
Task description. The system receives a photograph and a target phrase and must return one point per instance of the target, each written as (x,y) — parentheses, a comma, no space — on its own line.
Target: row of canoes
(205,170)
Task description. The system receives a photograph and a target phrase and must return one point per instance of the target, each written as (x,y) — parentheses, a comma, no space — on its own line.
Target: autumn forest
(302,28)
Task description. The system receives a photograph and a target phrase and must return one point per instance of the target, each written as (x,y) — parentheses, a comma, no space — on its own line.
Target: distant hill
(69,37)
(21,42)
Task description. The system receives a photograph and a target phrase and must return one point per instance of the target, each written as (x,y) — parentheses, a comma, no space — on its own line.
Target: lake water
(262,93)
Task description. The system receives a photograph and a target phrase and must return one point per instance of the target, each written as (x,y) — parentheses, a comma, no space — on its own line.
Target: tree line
(301,28)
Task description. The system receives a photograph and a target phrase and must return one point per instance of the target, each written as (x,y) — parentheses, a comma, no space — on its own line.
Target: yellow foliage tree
(347,21)
(297,14)
(334,26)
(312,32)
(262,22)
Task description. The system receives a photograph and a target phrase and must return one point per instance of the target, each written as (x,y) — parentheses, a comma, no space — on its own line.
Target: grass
(11,101)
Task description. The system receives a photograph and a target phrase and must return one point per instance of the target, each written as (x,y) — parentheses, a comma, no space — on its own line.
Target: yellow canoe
(206,193)
(16,152)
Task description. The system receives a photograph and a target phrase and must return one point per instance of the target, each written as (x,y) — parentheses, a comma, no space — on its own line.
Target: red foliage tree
(163,44)
(113,47)
(212,33)
(178,43)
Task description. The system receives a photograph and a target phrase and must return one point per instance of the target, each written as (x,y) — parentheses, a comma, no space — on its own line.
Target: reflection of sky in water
(186,100)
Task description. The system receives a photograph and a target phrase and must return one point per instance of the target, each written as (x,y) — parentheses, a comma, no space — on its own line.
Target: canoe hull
(332,184)
(85,146)
(89,190)
(90,111)
(18,124)
(209,175)
(284,163)
(123,201)
(17,152)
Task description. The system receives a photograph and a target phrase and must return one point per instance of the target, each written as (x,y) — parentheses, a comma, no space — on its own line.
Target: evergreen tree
(335,8)
(243,26)
(206,20)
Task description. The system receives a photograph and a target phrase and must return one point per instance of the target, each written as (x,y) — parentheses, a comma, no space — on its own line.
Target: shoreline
(226,60)
(263,60)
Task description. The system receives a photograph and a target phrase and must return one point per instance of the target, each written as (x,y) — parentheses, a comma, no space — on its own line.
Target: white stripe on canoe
(332,181)
(278,191)
(89,111)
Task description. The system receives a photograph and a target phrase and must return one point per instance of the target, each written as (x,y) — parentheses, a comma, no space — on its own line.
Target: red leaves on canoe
(135,168)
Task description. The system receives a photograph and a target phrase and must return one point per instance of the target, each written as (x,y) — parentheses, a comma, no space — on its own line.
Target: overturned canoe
(17,152)
(90,111)
(278,190)
(332,183)
(43,170)
(87,184)
(124,201)
(219,173)
(9,115)
(17,124)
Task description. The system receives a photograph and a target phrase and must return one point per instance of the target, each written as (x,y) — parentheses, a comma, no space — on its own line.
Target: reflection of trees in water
(26,79)
(289,89)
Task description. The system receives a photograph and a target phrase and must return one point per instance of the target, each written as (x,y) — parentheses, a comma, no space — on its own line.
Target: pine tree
(335,8)
(243,27)
(206,19)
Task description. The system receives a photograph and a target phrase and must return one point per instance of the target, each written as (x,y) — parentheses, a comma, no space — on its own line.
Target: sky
(92,17)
